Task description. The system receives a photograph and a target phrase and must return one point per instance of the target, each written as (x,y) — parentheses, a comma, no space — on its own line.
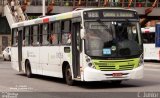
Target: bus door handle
(67,49)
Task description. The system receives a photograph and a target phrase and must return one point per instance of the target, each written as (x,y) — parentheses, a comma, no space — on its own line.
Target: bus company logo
(9,95)
(117,67)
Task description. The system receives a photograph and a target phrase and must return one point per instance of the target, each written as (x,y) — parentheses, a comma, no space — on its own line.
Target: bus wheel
(9,58)
(68,76)
(116,82)
(4,58)
(28,70)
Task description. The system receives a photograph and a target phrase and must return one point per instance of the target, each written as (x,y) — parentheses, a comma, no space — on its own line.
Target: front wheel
(28,70)
(9,58)
(68,76)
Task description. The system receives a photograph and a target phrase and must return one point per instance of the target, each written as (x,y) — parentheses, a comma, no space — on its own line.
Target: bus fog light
(88,60)
(91,65)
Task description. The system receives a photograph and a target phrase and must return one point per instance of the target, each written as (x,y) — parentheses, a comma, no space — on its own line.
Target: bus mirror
(82,33)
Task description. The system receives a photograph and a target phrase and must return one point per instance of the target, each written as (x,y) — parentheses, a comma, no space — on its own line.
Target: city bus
(150,43)
(92,44)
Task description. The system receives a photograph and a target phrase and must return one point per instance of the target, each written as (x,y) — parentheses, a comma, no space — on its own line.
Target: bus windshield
(112,39)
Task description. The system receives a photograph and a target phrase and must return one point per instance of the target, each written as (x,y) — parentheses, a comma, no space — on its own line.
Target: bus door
(157,35)
(76,25)
(20,39)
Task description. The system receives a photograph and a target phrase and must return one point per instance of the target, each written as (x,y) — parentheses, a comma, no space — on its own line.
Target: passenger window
(45,32)
(35,35)
(53,39)
(66,32)
(27,39)
(15,37)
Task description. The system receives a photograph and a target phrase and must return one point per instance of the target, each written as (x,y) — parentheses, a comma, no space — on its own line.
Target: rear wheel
(4,58)
(28,70)
(68,75)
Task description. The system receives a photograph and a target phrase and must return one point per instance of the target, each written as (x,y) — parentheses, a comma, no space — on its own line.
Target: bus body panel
(104,70)
(151,52)
(14,58)
(91,74)
(50,61)
(32,54)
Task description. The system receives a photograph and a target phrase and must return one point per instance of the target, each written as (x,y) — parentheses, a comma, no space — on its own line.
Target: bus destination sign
(117,14)
(109,14)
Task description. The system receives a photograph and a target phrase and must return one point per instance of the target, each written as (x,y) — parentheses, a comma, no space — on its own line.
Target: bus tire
(28,70)
(116,82)
(9,58)
(68,76)
(4,58)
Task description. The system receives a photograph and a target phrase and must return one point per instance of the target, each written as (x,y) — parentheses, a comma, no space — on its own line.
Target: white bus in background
(150,43)
(94,44)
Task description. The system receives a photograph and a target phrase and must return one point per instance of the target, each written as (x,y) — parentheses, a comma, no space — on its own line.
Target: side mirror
(82,33)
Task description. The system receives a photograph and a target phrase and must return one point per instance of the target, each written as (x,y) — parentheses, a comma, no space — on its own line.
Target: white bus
(151,52)
(94,44)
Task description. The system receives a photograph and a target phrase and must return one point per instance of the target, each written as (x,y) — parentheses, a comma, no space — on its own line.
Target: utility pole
(43,7)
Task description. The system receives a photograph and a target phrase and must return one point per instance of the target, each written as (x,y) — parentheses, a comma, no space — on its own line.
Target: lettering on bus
(31,54)
(117,14)
(103,14)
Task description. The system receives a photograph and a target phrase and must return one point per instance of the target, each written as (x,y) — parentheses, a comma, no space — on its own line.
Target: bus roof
(77,12)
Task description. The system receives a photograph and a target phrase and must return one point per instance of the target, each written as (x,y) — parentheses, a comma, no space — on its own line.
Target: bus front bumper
(91,74)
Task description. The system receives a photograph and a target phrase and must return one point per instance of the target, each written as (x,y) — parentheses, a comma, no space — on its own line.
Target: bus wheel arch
(28,70)
(67,74)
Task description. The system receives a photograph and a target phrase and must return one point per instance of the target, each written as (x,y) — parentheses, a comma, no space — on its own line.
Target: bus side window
(31,37)
(35,35)
(27,31)
(45,32)
(66,32)
(15,37)
(23,43)
(53,38)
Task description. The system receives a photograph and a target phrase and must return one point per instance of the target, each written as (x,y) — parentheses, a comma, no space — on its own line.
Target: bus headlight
(91,65)
(89,62)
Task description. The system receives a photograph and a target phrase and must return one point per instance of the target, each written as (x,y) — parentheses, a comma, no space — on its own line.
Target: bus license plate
(117,74)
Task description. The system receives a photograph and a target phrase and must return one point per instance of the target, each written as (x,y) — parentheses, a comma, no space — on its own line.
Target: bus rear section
(151,52)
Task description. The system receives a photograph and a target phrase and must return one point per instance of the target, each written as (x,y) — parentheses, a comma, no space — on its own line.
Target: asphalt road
(13,81)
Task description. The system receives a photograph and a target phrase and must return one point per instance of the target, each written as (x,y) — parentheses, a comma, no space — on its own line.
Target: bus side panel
(151,52)
(50,61)
(66,56)
(14,58)
(32,54)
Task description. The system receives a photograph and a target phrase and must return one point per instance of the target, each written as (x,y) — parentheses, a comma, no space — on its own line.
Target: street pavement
(49,87)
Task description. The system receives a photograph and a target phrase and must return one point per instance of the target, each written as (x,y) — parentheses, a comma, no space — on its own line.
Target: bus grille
(113,66)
